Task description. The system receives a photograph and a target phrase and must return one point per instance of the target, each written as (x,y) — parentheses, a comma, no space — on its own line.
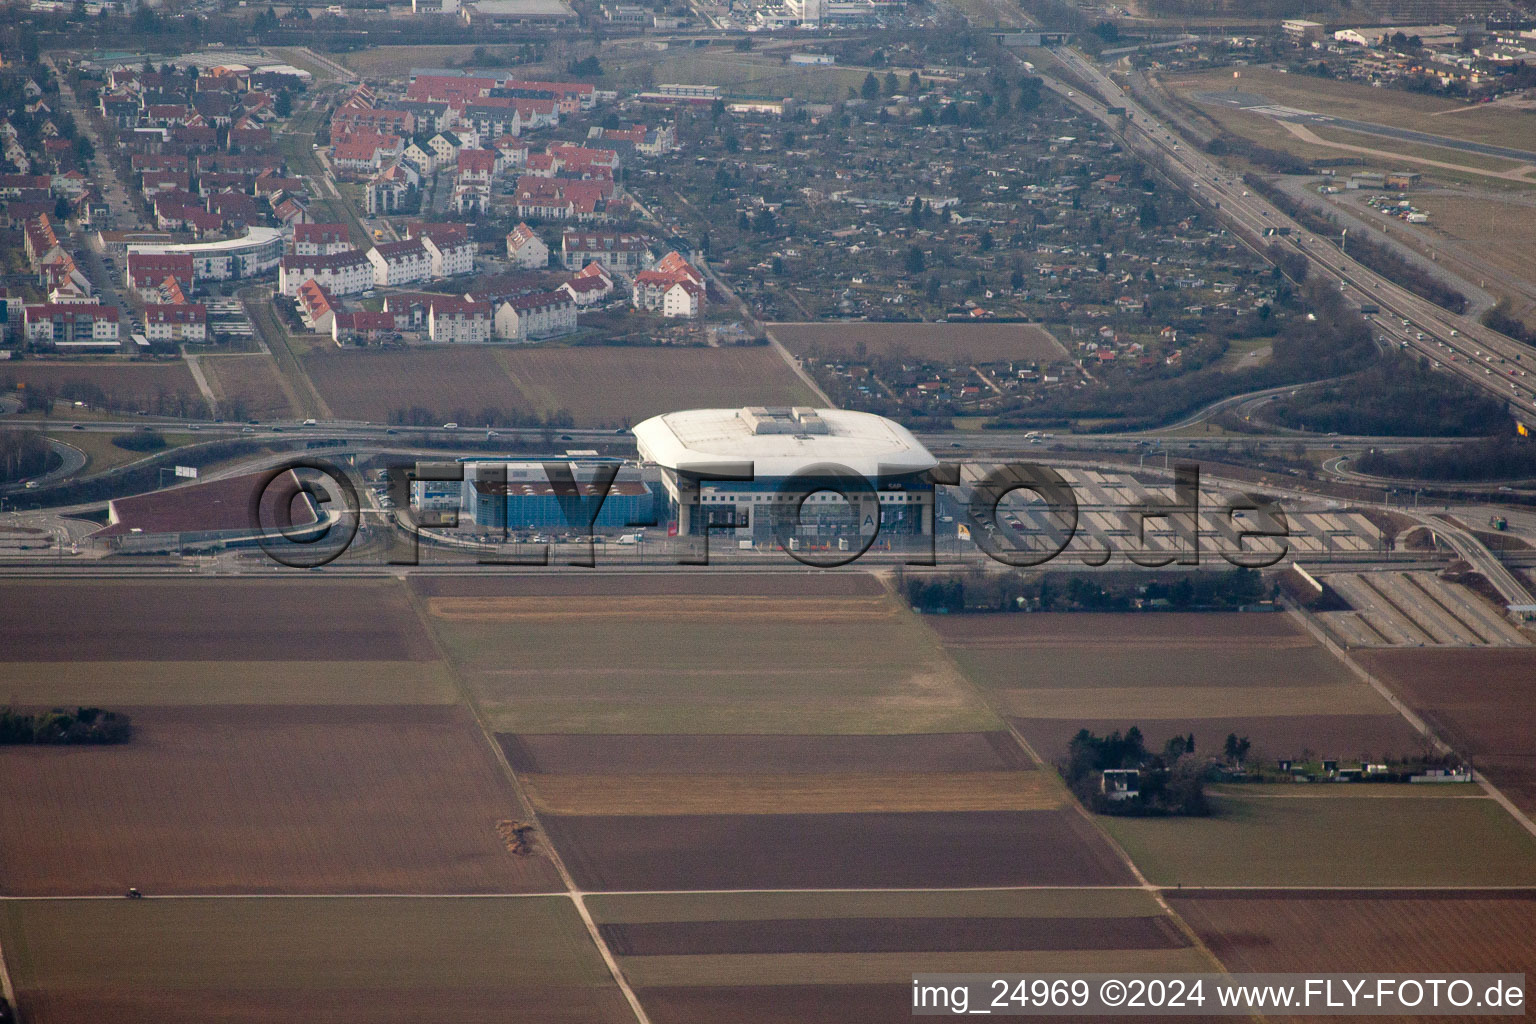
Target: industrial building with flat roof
(785,453)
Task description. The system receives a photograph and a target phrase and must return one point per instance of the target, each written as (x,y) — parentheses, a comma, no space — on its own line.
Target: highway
(1460,345)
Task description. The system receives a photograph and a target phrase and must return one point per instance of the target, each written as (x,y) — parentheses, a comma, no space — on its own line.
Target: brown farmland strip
(1406,932)
(1140,630)
(765,754)
(703,580)
(800,1004)
(341,961)
(926,850)
(598,387)
(249,379)
(803,610)
(1479,700)
(136,383)
(891,935)
(274,800)
(837,793)
(779,1004)
(212,620)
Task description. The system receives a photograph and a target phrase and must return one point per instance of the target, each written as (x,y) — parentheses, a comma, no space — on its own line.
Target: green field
(1346,841)
(304,958)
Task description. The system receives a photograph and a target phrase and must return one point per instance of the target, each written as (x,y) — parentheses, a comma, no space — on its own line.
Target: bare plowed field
(296,800)
(702,580)
(610,387)
(369,961)
(373,385)
(986,343)
(1482,702)
(778,793)
(797,1004)
(779,1004)
(599,387)
(803,611)
(638,908)
(1258,676)
(131,384)
(212,620)
(1144,630)
(126,683)
(892,935)
(1365,931)
(708,755)
(931,850)
(250,379)
(734,969)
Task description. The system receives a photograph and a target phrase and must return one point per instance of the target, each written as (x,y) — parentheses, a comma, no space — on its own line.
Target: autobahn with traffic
(1457,344)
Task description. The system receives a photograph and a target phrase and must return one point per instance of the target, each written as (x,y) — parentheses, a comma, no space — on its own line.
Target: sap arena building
(801,477)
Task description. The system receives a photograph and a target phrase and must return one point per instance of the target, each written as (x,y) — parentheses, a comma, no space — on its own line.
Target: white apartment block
(346,273)
(459,322)
(450,258)
(533,317)
(396,263)
(526,249)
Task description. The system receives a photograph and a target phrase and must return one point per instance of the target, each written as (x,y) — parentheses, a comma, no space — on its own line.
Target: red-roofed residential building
(526,249)
(621,252)
(450,247)
(673,288)
(589,287)
(397,263)
(316,307)
(147,273)
(476,166)
(75,323)
(365,151)
(360,327)
(320,239)
(176,323)
(459,321)
(536,316)
(348,272)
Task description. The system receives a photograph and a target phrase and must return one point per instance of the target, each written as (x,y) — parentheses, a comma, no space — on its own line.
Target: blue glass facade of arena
(527,500)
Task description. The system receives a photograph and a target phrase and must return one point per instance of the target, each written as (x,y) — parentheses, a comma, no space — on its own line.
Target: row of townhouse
(622,252)
(563,199)
(470,319)
(323,253)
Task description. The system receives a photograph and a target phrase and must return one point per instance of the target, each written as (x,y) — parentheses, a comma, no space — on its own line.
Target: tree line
(60,727)
(979,591)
